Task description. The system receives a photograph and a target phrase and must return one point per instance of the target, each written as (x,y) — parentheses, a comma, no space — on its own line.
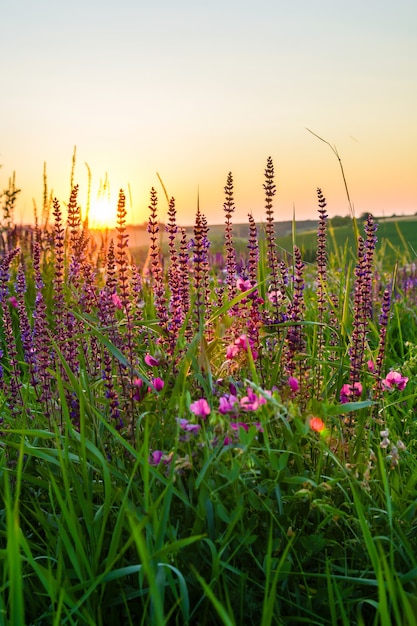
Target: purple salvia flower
(253,247)
(15,398)
(176,315)
(59,271)
(155,268)
(370,244)
(41,340)
(198,260)
(358,337)
(74,217)
(383,327)
(321,282)
(229,207)
(270,191)
(295,340)
(121,251)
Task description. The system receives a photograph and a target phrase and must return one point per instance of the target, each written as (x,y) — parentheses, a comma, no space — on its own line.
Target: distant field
(397,238)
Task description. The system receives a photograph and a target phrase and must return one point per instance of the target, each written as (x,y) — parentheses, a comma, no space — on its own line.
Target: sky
(191,90)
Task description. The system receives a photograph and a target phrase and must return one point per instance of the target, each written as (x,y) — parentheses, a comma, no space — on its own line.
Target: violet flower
(188,426)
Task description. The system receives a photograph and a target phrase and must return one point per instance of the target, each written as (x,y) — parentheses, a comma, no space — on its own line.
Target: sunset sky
(193,89)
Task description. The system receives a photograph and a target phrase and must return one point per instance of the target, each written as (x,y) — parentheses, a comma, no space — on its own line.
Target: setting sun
(102,213)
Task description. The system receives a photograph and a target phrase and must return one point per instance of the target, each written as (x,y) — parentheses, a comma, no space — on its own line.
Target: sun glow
(102,213)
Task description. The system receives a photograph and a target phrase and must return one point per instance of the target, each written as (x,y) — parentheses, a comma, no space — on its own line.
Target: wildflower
(156,457)
(237,425)
(348,392)
(13,302)
(317,424)
(151,360)
(243,285)
(293,383)
(116,301)
(200,408)
(157,384)
(251,402)
(139,391)
(242,342)
(227,403)
(275,296)
(394,380)
(188,426)
(371,366)
(231,351)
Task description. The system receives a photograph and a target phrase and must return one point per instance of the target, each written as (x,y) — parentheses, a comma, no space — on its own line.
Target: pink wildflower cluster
(231,404)
(241,344)
(394,380)
(251,402)
(349,392)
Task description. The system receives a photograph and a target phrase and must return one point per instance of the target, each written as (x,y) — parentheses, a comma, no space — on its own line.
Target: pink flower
(116,301)
(251,402)
(349,392)
(371,366)
(157,383)
(151,361)
(293,383)
(243,285)
(231,351)
(200,408)
(13,302)
(226,403)
(242,342)
(394,380)
(275,297)
(139,392)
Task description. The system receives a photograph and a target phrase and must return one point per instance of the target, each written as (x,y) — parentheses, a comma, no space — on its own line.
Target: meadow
(207,436)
